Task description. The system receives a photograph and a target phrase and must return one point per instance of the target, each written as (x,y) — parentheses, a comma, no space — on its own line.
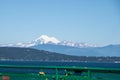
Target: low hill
(15,53)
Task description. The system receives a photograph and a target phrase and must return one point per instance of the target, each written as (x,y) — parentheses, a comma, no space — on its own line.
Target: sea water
(54,63)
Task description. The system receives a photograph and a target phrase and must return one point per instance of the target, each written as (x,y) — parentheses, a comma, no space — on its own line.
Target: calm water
(81,64)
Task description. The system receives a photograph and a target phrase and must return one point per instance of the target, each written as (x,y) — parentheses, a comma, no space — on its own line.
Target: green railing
(15,72)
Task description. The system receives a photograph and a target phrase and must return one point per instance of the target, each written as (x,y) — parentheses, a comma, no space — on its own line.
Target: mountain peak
(44,39)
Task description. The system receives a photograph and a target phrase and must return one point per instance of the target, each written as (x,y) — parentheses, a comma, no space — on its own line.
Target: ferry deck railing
(17,72)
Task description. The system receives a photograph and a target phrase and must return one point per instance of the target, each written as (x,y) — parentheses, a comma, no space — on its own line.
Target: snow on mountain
(15,45)
(75,44)
(44,39)
(25,44)
(4,45)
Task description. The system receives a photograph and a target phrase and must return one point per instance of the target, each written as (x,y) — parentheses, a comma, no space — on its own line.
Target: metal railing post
(89,75)
(57,74)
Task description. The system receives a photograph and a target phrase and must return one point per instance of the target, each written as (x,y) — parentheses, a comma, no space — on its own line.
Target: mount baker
(52,44)
(44,39)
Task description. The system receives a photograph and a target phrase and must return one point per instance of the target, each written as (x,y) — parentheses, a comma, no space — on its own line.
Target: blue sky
(91,21)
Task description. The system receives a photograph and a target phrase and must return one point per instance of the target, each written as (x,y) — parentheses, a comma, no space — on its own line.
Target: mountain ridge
(91,51)
(52,44)
(44,39)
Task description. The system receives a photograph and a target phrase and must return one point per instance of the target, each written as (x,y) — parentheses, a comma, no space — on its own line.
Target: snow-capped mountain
(52,44)
(44,39)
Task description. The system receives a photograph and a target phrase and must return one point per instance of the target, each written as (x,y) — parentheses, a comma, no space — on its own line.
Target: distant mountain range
(111,50)
(66,47)
(44,39)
